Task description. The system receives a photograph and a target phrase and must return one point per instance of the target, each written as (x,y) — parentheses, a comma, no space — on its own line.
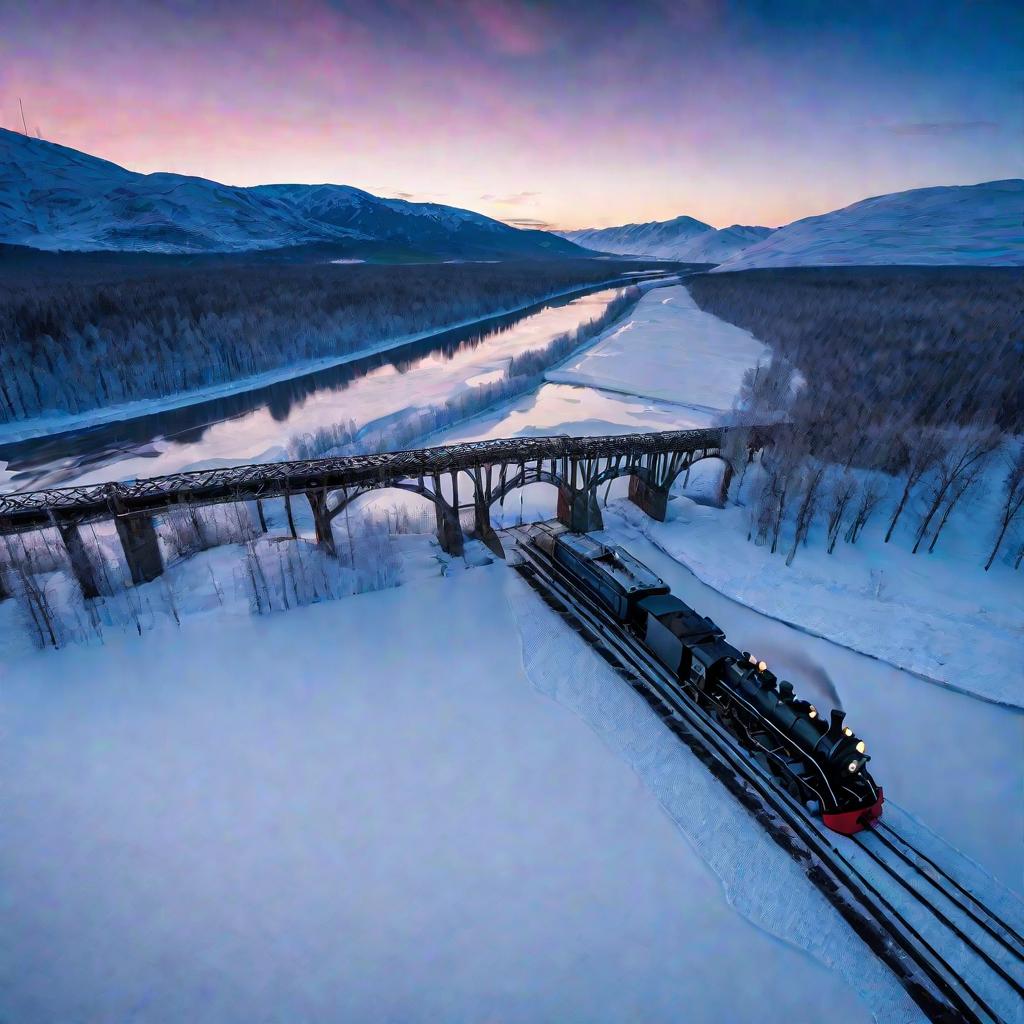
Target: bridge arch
(524,477)
(727,473)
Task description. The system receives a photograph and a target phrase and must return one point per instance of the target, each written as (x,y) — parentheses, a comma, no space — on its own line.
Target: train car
(671,629)
(611,574)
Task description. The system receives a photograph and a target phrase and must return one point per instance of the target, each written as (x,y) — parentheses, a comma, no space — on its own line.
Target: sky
(564,115)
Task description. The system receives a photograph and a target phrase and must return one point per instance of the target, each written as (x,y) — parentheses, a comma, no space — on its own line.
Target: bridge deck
(29,510)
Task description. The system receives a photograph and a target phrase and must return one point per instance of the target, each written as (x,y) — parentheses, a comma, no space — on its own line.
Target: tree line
(895,389)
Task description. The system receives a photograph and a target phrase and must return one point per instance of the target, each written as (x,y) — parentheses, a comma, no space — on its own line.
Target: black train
(814,760)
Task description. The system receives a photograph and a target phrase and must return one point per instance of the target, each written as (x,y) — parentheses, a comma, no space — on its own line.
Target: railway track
(957,959)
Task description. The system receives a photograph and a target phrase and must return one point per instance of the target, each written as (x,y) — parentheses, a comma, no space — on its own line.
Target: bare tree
(957,490)
(843,491)
(1012,507)
(966,450)
(810,494)
(923,449)
(38,612)
(870,496)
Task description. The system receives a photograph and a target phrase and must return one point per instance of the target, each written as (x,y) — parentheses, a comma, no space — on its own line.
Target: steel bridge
(461,480)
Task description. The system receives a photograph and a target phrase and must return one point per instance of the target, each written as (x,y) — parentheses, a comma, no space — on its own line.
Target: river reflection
(256,425)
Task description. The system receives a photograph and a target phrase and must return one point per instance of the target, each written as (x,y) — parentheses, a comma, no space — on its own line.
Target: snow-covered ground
(301,816)
(291,818)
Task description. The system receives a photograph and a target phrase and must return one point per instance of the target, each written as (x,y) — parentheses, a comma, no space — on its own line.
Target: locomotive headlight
(762,665)
(861,746)
(852,766)
(812,712)
(847,731)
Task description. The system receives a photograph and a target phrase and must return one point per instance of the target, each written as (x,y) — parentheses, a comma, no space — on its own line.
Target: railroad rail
(952,970)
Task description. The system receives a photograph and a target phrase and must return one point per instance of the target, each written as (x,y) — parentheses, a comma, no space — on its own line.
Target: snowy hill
(948,225)
(52,197)
(682,238)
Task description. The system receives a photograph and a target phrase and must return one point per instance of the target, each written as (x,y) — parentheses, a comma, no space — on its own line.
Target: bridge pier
(81,565)
(322,521)
(579,510)
(483,530)
(653,500)
(141,547)
(449,530)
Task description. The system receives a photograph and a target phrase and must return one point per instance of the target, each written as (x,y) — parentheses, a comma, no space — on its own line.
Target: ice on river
(670,350)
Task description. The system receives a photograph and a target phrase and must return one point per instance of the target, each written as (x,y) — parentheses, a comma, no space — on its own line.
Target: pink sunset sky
(554,114)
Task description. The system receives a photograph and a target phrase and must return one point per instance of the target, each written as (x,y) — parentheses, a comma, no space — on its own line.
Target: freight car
(823,764)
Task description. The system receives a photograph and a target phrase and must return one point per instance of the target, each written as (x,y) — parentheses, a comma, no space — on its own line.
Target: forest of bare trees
(895,389)
(88,336)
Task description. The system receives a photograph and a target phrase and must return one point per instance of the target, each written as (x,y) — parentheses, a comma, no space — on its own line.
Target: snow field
(299,821)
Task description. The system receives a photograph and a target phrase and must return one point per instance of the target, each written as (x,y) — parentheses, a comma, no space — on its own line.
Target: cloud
(409,197)
(529,222)
(515,199)
(511,29)
(938,127)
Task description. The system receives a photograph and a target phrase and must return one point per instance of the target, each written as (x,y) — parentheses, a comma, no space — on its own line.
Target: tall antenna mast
(23,124)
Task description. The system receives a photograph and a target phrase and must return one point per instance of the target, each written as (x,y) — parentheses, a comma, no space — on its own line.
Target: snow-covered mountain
(948,225)
(681,238)
(52,197)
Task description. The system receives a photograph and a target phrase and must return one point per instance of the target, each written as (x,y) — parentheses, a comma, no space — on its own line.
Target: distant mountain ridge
(682,238)
(947,225)
(56,198)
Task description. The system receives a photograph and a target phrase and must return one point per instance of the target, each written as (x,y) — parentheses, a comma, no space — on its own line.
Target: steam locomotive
(821,764)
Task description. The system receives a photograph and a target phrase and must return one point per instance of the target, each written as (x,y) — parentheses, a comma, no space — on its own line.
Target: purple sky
(568,114)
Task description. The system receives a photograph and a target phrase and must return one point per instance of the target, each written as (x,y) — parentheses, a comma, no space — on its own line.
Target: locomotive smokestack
(835,727)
